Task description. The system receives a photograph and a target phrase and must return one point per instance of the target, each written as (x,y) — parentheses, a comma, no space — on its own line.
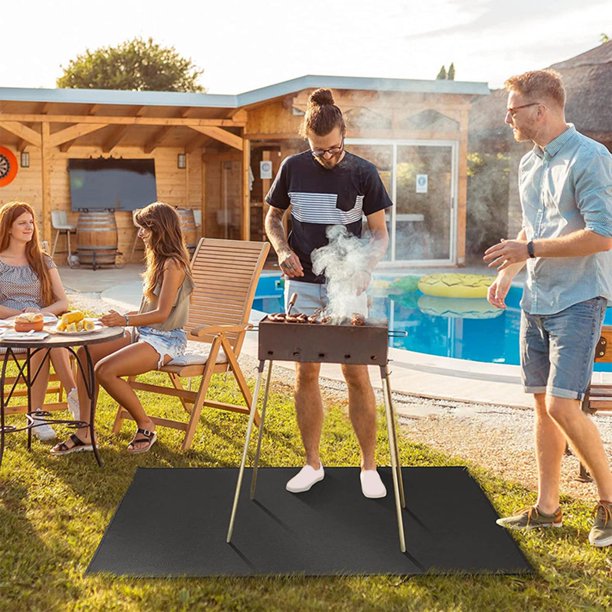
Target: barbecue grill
(318,342)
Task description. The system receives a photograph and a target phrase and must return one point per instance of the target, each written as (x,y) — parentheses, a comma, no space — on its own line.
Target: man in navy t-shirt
(327,186)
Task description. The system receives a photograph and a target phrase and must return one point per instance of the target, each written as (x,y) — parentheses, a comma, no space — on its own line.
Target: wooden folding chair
(599,395)
(225,273)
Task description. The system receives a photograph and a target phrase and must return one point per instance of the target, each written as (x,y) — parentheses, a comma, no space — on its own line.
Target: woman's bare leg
(96,352)
(60,358)
(39,386)
(129,361)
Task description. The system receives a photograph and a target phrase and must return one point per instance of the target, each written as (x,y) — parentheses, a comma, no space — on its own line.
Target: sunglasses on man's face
(331,151)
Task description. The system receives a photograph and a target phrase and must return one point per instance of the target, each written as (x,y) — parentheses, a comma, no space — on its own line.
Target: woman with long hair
(157,334)
(30,282)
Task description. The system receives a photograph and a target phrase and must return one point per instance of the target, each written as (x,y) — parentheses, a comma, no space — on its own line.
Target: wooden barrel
(188,227)
(97,238)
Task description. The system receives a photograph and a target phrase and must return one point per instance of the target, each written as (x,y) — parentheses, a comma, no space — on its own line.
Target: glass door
(421,178)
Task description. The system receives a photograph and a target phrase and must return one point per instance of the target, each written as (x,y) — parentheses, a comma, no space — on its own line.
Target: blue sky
(243,44)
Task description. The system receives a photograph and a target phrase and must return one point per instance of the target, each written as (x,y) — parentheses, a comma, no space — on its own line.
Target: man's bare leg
(309,410)
(550,446)
(362,411)
(584,439)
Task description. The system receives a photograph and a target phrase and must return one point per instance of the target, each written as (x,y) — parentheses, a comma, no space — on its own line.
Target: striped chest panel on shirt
(321,208)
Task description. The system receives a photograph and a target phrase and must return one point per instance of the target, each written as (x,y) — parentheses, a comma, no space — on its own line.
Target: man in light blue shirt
(565,187)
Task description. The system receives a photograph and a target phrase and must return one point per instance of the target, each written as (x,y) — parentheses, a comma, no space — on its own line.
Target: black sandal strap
(147,436)
(76,442)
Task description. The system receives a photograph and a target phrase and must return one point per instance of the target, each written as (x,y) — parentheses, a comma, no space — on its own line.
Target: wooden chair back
(225,274)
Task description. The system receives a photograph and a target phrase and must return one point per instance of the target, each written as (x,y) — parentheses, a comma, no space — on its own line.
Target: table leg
(2,422)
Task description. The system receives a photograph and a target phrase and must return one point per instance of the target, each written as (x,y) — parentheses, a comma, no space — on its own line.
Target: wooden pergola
(65,127)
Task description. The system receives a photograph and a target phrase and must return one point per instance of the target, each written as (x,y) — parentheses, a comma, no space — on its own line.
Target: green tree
(450,75)
(442,74)
(137,64)
(604,38)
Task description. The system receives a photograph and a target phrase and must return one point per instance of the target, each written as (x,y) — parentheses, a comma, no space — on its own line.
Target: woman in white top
(30,282)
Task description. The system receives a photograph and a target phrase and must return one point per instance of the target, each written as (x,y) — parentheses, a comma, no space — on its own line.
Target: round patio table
(21,349)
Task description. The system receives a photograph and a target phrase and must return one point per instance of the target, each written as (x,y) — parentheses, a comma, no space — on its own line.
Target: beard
(523,134)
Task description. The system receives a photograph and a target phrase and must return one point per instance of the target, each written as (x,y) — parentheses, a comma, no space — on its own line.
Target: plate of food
(76,323)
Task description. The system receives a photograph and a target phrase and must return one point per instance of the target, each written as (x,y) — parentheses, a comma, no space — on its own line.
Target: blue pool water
(449,327)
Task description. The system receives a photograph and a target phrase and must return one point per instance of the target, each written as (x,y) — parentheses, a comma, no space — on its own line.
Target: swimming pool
(467,329)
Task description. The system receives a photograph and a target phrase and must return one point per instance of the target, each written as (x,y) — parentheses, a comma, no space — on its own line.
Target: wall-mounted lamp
(25,159)
(181,161)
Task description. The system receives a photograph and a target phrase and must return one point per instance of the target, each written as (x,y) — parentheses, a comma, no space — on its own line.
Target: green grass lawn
(53,512)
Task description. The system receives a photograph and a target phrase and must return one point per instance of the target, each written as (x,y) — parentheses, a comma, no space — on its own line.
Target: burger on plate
(28,321)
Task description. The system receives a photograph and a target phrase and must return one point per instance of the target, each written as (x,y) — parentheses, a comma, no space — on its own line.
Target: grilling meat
(356,319)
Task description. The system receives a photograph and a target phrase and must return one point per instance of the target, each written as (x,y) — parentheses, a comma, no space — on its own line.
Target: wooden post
(246,194)
(187,203)
(46,181)
(203,196)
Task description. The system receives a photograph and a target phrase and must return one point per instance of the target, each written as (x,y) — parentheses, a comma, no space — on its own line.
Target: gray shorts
(557,350)
(313,296)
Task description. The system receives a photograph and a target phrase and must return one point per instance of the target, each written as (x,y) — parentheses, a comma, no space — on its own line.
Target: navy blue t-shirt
(320,197)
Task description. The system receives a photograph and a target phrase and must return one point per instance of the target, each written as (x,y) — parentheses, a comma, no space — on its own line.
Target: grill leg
(245,451)
(396,468)
(260,433)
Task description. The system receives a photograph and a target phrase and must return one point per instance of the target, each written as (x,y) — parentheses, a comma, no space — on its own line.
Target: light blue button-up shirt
(564,188)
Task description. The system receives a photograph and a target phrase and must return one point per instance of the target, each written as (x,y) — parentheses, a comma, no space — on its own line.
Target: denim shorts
(313,296)
(557,350)
(172,342)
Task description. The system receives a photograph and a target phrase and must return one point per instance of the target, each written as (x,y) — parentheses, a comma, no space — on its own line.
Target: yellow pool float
(458,308)
(456,285)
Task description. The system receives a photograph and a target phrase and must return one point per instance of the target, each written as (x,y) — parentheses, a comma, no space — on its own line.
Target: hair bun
(321,97)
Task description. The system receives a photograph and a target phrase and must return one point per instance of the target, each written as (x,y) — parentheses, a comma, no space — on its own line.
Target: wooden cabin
(217,154)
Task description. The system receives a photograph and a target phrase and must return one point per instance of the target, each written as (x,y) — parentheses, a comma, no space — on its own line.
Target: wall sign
(421,183)
(265,169)
(8,166)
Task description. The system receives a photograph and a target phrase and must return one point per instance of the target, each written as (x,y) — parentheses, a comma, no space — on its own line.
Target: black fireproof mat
(173,522)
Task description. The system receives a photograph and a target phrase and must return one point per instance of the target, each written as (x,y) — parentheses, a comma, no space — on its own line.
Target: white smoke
(346,261)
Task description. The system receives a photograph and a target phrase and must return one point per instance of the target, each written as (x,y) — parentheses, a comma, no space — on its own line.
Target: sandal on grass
(77,446)
(142,436)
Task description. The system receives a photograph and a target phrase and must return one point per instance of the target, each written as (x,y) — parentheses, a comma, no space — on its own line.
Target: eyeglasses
(332,150)
(512,110)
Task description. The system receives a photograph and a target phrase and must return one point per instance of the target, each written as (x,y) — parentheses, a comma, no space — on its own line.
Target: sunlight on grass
(53,512)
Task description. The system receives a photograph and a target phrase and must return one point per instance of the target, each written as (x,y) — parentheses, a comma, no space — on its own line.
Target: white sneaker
(371,484)
(44,432)
(304,479)
(73,404)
